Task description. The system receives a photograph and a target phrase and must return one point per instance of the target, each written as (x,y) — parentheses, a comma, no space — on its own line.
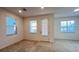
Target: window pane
(63,23)
(33,26)
(68,26)
(45,27)
(11,25)
(71,26)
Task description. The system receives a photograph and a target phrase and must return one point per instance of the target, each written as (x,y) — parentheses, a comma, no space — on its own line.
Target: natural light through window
(68,26)
(11,25)
(33,26)
(45,27)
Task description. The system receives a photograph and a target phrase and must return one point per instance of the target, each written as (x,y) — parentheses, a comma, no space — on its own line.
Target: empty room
(39,29)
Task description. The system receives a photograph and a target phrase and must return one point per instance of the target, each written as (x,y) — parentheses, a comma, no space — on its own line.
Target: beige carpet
(29,46)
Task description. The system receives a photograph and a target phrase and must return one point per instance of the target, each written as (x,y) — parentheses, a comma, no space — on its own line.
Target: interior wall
(38,36)
(8,40)
(60,35)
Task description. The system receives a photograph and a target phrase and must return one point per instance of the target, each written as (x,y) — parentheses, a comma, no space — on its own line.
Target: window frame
(67,27)
(30,25)
(7,29)
(44,27)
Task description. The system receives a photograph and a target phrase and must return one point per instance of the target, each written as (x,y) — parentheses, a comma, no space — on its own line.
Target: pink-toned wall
(38,36)
(23,29)
(8,40)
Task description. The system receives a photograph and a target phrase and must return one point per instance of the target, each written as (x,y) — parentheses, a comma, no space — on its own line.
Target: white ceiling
(57,11)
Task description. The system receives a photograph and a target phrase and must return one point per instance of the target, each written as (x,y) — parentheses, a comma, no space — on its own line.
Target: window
(45,27)
(68,26)
(11,25)
(33,26)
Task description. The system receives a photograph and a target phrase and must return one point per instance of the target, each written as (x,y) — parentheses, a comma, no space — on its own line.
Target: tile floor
(35,46)
(29,46)
(66,45)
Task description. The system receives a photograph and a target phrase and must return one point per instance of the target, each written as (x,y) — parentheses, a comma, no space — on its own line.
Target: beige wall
(23,24)
(70,36)
(38,36)
(8,40)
